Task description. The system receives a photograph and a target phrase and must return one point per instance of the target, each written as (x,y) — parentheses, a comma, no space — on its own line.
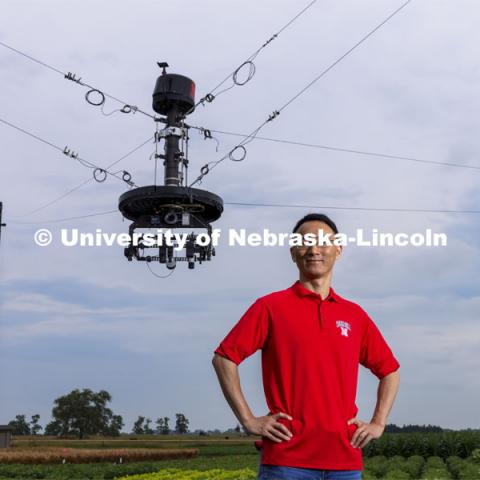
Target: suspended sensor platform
(169,206)
(173,205)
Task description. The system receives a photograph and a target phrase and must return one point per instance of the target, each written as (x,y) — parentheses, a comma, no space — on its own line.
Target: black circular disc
(153,200)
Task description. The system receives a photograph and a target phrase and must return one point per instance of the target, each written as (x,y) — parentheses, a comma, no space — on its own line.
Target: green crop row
(443,445)
(380,466)
(180,474)
(462,469)
(108,471)
(416,468)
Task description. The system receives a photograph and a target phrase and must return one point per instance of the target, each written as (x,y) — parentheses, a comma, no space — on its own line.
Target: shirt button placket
(320,320)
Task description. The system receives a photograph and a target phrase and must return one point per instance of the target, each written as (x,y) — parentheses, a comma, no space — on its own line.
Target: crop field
(446,456)
(50,455)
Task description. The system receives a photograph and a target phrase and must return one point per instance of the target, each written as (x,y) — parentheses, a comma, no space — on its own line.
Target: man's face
(315,261)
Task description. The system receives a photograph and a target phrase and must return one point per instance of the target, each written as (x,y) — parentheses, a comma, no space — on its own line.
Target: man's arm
(227,372)
(386,393)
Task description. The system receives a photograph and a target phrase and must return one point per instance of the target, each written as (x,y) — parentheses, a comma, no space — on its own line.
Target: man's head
(315,261)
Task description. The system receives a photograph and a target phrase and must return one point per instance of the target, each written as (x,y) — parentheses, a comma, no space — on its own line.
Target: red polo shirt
(311,349)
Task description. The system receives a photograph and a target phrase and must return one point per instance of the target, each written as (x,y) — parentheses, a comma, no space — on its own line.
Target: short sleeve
(248,335)
(375,354)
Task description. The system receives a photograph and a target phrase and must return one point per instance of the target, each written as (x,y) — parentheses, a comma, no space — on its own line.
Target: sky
(80,317)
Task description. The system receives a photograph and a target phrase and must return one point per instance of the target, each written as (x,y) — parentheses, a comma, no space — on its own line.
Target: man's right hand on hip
(269,427)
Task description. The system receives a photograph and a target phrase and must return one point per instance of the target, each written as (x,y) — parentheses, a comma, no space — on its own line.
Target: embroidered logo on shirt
(344,327)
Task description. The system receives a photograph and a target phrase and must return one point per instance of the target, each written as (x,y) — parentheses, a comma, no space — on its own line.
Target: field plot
(234,458)
(87,455)
(416,467)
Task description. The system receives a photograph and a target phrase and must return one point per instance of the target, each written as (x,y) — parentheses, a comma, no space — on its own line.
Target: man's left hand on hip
(365,432)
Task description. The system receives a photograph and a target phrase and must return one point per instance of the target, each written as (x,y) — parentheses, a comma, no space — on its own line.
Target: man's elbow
(217,359)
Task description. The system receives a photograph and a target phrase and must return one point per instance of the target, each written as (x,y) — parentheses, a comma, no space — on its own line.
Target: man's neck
(321,286)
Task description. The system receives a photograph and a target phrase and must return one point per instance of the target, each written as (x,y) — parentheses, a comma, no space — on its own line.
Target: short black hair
(318,217)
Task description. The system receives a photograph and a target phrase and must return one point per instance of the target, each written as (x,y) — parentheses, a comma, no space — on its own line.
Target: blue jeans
(275,472)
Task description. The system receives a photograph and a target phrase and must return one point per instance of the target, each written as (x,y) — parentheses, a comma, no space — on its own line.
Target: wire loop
(243,154)
(100,175)
(251,73)
(126,177)
(92,102)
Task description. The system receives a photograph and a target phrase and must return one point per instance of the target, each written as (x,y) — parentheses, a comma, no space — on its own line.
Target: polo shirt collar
(301,292)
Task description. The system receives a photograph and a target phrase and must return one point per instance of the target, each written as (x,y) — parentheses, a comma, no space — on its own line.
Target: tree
(181,425)
(115,426)
(84,413)
(20,425)
(146,427)
(35,427)
(237,429)
(162,426)
(54,428)
(138,426)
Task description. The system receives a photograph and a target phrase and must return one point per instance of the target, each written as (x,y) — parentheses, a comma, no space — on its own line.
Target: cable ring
(126,177)
(250,75)
(204,170)
(96,175)
(239,159)
(126,109)
(96,104)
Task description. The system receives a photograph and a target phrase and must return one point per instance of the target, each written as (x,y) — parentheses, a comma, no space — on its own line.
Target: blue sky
(85,317)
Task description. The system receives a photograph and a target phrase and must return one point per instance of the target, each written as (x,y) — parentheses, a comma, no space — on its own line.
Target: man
(312,342)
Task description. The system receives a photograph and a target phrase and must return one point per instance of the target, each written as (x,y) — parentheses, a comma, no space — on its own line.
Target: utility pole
(1,223)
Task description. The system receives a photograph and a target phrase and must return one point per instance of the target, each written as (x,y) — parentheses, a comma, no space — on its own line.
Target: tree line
(142,425)
(392,428)
(84,412)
